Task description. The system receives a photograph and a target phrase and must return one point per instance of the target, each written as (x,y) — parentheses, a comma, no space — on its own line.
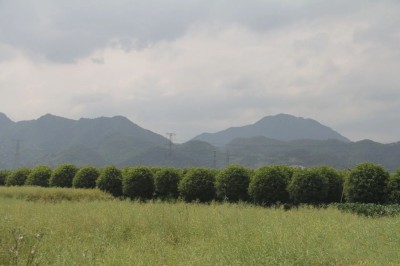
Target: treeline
(269,185)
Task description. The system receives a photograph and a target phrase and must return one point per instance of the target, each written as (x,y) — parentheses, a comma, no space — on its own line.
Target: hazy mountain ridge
(259,151)
(189,154)
(52,140)
(100,141)
(5,122)
(280,127)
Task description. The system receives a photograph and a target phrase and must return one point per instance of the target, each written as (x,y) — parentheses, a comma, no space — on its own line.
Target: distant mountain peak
(282,127)
(47,116)
(122,119)
(52,117)
(52,140)
(116,117)
(283,118)
(4,118)
(279,116)
(5,121)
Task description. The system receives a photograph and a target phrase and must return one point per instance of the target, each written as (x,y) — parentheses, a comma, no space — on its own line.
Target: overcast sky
(193,66)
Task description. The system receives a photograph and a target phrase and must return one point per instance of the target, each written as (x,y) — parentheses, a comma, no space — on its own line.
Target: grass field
(52,195)
(112,232)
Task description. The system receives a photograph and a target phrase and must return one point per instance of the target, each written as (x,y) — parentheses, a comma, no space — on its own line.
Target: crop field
(104,231)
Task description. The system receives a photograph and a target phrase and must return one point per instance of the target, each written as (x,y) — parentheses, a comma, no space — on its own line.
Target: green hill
(101,141)
(280,127)
(53,140)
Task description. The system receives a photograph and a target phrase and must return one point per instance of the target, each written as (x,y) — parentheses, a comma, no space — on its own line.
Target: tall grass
(132,233)
(52,194)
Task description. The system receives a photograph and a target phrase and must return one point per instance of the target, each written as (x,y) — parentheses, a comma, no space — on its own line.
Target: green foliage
(394,188)
(155,169)
(62,175)
(17,177)
(166,183)
(335,183)
(367,183)
(3,174)
(197,184)
(232,182)
(185,170)
(85,177)
(370,209)
(308,186)
(110,180)
(39,176)
(137,183)
(268,185)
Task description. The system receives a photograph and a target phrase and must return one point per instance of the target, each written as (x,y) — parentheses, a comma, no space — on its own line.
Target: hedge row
(365,183)
(370,209)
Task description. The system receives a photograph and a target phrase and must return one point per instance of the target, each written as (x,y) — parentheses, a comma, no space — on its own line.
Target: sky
(194,66)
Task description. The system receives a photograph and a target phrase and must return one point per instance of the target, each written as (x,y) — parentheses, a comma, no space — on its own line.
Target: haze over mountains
(280,127)
(280,139)
(53,140)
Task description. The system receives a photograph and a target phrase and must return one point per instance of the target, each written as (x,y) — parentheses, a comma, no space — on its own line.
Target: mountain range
(280,127)
(279,139)
(53,140)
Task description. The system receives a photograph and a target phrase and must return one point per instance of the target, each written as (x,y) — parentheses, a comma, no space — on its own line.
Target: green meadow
(107,231)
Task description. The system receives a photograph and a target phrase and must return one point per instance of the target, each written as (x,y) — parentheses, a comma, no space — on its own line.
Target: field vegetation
(115,232)
(52,195)
(165,216)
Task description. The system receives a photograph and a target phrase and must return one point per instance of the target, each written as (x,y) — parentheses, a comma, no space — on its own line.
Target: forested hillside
(280,127)
(53,140)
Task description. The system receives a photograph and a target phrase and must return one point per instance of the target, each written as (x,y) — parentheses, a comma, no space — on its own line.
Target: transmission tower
(170,137)
(228,155)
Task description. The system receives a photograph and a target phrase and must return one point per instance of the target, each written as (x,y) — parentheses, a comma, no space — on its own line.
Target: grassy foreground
(130,233)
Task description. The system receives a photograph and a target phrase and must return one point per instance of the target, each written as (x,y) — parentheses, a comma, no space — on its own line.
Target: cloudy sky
(193,66)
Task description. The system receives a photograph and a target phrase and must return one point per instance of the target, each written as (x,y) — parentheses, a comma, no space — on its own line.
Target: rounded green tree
(268,185)
(308,186)
(166,183)
(110,180)
(3,175)
(62,175)
(232,182)
(394,188)
(197,185)
(137,183)
(335,183)
(367,183)
(85,177)
(17,177)
(39,176)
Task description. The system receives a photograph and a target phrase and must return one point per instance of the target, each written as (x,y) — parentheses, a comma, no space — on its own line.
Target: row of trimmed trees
(366,183)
